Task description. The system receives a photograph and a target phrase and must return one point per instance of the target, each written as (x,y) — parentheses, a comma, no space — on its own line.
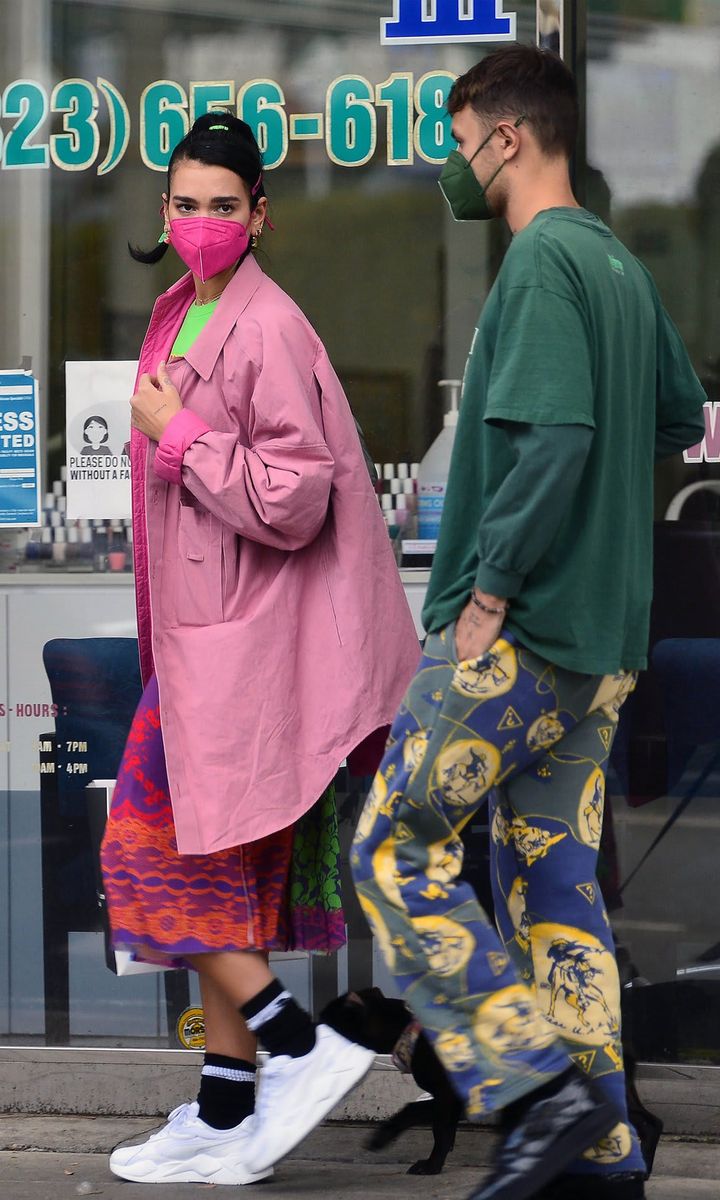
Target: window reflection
(662,822)
(394,287)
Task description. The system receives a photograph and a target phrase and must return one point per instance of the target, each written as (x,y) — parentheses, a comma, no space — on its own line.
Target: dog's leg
(415,1115)
(444,1127)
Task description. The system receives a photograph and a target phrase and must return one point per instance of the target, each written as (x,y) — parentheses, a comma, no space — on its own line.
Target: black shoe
(553,1126)
(623,1185)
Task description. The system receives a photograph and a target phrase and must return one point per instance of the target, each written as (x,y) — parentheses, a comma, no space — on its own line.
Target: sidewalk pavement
(63,1158)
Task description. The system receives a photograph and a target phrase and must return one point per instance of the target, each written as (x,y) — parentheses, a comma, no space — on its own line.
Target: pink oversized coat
(268,600)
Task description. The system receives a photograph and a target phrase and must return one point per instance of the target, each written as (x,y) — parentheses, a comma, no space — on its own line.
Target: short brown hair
(524,80)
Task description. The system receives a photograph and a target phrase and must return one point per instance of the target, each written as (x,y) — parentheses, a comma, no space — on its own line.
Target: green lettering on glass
(205,97)
(29,103)
(77,146)
(350,121)
(416,120)
(433,137)
(119,126)
(163,122)
(307,127)
(396,94)
(262,104)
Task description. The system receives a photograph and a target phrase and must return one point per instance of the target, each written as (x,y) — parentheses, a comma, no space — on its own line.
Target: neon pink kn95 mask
(208,245)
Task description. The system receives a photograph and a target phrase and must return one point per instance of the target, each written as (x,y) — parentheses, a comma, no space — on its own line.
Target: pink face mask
(208,245)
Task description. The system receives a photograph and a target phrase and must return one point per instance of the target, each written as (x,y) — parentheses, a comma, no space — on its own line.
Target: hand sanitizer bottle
(435,467)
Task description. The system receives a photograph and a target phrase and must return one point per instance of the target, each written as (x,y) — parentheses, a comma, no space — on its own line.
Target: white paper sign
(97,429)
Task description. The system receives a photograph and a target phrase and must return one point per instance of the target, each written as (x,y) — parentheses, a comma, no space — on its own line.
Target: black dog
(388,1027)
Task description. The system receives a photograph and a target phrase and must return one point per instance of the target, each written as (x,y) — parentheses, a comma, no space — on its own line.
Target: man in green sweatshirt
(537,615)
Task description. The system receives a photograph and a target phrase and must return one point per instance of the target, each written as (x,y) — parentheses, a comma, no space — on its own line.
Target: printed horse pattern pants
(502,1015)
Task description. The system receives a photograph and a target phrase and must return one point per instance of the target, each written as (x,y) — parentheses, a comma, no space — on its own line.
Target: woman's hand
(154,404)
(476,630)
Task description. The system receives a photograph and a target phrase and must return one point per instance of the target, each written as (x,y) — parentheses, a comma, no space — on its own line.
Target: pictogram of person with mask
(95,436)
(260,551)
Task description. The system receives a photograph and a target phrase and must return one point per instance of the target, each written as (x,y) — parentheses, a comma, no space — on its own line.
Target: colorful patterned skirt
(279,893)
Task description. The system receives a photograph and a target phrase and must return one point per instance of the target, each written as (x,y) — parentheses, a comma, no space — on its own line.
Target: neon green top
(196,318)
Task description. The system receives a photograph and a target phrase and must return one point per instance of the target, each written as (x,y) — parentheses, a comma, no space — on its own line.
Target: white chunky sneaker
(187,1150)
(296,1093)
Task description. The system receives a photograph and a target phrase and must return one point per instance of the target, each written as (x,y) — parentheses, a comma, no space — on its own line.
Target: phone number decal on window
(94,122)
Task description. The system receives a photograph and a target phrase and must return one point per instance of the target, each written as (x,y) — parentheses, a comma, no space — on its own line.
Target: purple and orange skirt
(279,893)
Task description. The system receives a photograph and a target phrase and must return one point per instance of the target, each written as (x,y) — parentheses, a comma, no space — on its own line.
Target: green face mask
(466,196)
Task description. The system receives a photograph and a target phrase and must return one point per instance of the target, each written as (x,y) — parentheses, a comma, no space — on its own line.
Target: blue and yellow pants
(504,1011)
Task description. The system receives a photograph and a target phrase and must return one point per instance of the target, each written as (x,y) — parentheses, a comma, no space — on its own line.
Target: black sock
(227,1091)
(280,1024)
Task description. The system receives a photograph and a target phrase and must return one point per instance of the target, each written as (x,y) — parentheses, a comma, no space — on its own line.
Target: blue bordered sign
(19,449)
(415,22)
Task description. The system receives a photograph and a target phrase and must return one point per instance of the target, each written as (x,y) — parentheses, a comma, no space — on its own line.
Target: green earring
(164,238)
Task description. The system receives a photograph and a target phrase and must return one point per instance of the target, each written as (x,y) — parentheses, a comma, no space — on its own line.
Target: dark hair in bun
(217,139)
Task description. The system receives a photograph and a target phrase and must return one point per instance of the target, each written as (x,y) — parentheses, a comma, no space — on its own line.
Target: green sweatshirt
(577,380)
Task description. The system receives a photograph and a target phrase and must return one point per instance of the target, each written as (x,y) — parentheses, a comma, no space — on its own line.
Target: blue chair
(95,685)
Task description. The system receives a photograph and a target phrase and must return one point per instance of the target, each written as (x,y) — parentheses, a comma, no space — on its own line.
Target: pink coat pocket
(198,591)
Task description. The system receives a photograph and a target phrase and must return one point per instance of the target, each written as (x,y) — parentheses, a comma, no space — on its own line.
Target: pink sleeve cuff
(184,429)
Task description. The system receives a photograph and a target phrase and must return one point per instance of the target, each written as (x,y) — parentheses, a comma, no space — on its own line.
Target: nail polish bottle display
(59,546)
(100,546)
(117,553)
(73,543)
(87,551)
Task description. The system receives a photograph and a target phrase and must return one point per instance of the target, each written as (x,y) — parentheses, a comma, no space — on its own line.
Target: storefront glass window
(652,162)
(92,98)
(354,132)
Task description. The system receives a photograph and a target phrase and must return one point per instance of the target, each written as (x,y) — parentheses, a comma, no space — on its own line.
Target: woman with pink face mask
(274,638)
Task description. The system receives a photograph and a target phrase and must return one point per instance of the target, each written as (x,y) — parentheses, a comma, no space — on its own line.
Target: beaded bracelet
(496,612)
